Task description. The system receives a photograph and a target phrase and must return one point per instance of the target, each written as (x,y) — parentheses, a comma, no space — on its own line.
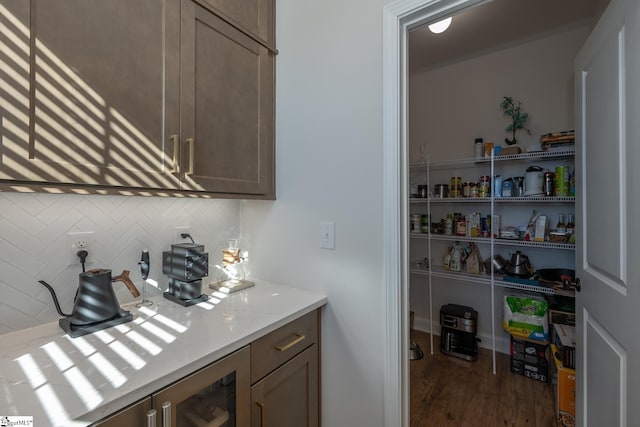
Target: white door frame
(398,19)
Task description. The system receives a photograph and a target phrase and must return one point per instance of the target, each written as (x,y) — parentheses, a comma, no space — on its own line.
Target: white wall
(33,244)
(329,168)
(452,105)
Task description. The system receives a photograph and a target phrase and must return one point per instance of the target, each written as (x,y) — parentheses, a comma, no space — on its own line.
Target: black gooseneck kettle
(95,300)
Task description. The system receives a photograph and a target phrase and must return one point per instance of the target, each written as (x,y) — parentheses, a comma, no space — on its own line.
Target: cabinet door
(14,88)
(227,111)
(288,397)
(133,416)
(255,16)
(213,396)
(101,87)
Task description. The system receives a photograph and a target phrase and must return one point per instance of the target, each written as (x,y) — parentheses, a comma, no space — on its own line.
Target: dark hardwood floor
(448,391)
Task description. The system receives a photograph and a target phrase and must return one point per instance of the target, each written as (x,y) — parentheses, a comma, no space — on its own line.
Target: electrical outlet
(178,231)
(80,241)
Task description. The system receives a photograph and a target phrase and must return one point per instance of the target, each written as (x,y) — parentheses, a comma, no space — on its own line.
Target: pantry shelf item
(504,210)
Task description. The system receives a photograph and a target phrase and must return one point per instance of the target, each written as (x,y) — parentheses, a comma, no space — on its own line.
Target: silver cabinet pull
(151,418)
(166,414)
(190,142)
(176,153)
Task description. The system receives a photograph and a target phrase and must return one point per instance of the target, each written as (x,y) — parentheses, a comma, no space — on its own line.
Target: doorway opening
(403,19)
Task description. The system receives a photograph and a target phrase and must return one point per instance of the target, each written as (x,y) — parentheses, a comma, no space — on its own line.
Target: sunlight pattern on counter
(122,342)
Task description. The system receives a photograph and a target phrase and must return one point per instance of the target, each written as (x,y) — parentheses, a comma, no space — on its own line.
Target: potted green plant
(517,116)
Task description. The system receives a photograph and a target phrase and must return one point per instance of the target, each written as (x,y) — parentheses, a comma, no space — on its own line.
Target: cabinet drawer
(274,349)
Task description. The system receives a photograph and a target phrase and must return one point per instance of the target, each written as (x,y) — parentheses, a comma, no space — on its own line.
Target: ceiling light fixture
(440,26)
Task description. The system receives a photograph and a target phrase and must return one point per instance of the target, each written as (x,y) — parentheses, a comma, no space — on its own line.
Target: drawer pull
(262,413)
(151,418)
(298,339)
(176,153)
(190,143)
(166,414)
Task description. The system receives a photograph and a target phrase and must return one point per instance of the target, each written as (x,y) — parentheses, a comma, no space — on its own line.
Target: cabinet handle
(287,346)
(151,418)
(176,153)
(166,414)
(262,413)
(190,142)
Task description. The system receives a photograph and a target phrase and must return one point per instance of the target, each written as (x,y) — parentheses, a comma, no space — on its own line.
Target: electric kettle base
(75,331)
(186,302)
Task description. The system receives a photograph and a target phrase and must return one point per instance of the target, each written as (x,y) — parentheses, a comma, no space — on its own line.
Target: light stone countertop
(63,381)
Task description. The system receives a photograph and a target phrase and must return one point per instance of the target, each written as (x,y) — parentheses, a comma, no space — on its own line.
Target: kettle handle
(124,278)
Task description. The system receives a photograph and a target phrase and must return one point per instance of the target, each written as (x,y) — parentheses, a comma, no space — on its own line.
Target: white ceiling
(495,25)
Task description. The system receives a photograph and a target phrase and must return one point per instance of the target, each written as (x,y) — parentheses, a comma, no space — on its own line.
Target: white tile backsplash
(33,244)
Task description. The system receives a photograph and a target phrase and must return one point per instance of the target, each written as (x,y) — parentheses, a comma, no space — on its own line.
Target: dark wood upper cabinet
(256,17)
(138,94)
(227,107)
(99,86)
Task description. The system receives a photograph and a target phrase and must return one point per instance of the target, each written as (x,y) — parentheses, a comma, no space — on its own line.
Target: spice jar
(456,187)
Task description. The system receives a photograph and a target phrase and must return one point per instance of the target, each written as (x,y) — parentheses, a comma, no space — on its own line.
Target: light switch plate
(328,235)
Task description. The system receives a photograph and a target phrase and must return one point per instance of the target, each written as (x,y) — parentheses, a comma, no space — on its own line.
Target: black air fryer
(186,264)
(458,334)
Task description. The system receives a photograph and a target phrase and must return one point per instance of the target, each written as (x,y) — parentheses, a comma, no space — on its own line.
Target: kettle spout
(55,298)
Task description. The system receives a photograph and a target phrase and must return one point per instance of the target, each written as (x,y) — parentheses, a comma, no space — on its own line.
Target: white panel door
(608,215)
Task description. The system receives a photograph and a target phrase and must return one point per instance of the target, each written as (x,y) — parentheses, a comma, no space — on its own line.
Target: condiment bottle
(456,258)
(549,183)
(561,225)
(446,262)
(461,226)
(571,227)
(448,224)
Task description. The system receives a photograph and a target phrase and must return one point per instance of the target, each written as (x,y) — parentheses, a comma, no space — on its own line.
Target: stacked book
(556,139)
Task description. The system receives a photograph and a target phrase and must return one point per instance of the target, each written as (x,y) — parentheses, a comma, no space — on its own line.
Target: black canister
(442,191)
(549,184)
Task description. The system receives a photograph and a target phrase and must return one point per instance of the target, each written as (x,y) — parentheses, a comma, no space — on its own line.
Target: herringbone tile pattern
(34,244)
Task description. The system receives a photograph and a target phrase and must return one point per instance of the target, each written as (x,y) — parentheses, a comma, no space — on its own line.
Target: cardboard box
(530,358)
(564,338)
(541,229)
(565,391)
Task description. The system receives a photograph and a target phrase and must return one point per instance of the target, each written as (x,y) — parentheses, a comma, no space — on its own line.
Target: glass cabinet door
(215,396)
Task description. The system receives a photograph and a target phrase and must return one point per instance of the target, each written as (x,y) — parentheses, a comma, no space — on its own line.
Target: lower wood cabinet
(288,397)
(273,382)
(134,415)
(284,374)
(217,395)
